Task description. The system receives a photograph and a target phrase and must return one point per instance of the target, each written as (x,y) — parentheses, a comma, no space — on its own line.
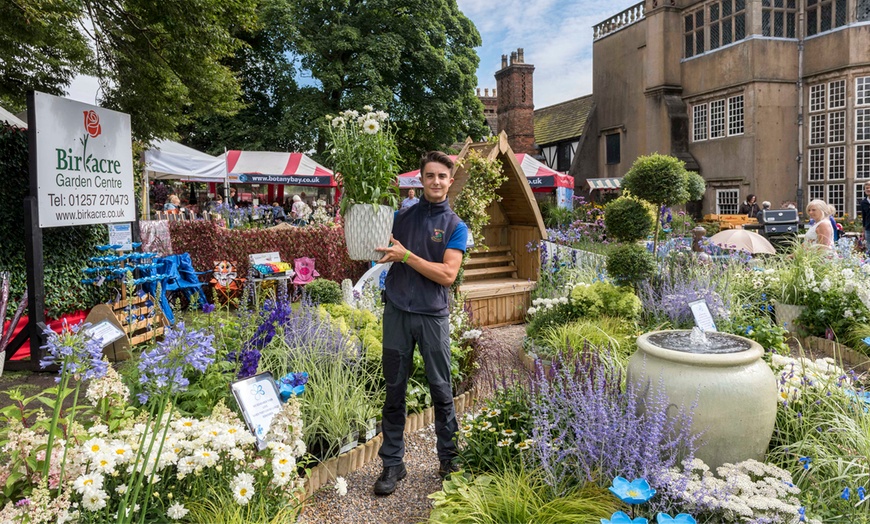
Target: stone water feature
(735,389)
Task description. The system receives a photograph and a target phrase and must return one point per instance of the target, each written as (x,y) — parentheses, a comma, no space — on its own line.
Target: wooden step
(492,250)
(489,271)
(480,261)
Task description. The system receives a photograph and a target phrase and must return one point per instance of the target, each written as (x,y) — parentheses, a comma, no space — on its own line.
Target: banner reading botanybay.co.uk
(84,163)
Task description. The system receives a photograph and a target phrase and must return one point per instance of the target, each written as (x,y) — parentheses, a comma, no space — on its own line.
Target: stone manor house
(770,97)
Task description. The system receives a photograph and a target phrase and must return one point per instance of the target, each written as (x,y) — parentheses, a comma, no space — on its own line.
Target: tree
(663,181)
(412,58)
(158,61)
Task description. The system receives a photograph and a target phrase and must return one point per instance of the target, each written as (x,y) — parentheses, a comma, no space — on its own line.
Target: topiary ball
(627,220)
(660,179)
(630,264)
(323,291)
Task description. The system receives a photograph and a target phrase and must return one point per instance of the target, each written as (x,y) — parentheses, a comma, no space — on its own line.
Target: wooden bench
(730,221)
(491,286)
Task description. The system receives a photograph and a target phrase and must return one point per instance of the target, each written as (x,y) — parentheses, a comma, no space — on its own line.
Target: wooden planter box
(849,357)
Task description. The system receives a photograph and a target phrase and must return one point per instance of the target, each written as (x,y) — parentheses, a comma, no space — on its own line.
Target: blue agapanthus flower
(682,518)
(638,491)
(622,518)
(74,351)
(161,370)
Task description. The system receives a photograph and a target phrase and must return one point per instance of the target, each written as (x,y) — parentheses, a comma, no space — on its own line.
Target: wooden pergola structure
(498,281)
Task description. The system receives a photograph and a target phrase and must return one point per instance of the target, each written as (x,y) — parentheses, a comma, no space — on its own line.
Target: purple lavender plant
(588,429)
(161,370)
(74,352)
(668,296)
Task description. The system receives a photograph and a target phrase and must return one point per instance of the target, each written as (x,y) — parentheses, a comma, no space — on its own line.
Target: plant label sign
(121,235)
(259,401)
(703,317)
(104,333)
(84,163)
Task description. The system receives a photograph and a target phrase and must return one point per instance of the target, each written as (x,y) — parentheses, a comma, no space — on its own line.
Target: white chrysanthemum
(341,486)
(205,457)
(100,430)
(104,462)
(94,447)
(237,454)
(94,499)
(504,443)
(338,122)
(177,511)
(532,310)
(281,478)
(91,481)
(370,127)
(121,489)
(485,425)
(259,463)
(243,492)
(368,108)
(283,463)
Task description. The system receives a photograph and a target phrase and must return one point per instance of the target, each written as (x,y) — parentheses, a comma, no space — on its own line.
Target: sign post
(81,173)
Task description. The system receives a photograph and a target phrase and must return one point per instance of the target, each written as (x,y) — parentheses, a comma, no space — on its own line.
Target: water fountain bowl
(735,389)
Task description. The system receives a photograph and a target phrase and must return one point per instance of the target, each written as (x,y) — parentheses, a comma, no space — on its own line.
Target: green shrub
(603,298)
(696,185)
(323,291)
(630,264)
(626,220)
(544,318)
(602,332)
(518,496)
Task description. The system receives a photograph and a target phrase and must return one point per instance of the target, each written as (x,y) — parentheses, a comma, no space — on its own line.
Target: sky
(556,36)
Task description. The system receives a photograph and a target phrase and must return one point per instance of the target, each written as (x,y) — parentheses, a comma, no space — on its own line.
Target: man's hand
(394,253)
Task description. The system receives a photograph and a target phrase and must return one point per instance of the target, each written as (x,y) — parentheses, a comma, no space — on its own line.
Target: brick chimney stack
(516,107)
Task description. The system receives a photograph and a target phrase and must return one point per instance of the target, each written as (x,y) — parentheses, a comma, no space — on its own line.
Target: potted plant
(363,152)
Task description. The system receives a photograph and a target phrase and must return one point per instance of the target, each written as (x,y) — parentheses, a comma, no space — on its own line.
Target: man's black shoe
(446,468)
(386,483)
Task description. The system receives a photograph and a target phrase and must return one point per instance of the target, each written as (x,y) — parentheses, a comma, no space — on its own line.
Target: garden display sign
(259,401)
(84,163)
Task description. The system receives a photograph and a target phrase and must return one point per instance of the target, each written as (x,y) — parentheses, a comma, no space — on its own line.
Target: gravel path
(409,503)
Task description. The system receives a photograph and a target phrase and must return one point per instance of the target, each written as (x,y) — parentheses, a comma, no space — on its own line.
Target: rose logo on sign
(92,123)
(93,128)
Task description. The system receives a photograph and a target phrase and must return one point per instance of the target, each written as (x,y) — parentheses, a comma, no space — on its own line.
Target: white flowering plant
(749,491)
(495,437)
(361,148)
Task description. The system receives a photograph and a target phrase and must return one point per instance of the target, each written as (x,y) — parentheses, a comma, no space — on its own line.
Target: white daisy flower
(177,511)
(371,127)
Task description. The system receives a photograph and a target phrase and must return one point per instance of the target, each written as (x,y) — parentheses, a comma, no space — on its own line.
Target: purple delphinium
(161,370)
(586,428)
(74,352)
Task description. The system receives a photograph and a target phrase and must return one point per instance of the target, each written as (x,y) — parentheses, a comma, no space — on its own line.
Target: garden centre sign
(84,163)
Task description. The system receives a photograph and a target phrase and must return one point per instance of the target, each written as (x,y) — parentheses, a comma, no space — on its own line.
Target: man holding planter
(427,245)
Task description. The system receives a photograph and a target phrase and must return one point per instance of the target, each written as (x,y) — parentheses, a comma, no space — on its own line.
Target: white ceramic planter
(787,314)
(736,395)
(365,228)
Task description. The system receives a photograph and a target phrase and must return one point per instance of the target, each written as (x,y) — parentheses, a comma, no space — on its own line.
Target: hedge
(65,249)
(207,243)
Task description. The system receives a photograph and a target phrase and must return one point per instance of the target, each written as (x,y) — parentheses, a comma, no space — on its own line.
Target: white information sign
(84,163)
(121,234)
(259,401)
(703,318)
(104,332)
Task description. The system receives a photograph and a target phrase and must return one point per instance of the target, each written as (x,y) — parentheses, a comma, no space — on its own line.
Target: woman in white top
(821,233)
(300,211)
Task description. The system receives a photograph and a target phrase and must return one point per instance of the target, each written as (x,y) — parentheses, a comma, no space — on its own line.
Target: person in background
(820,233)
(865,216)
(232,200)
(760,215)
(427,245)
(278,212)
(173,203)
(749,207)
(300,211)
(217,203)
(411,200)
